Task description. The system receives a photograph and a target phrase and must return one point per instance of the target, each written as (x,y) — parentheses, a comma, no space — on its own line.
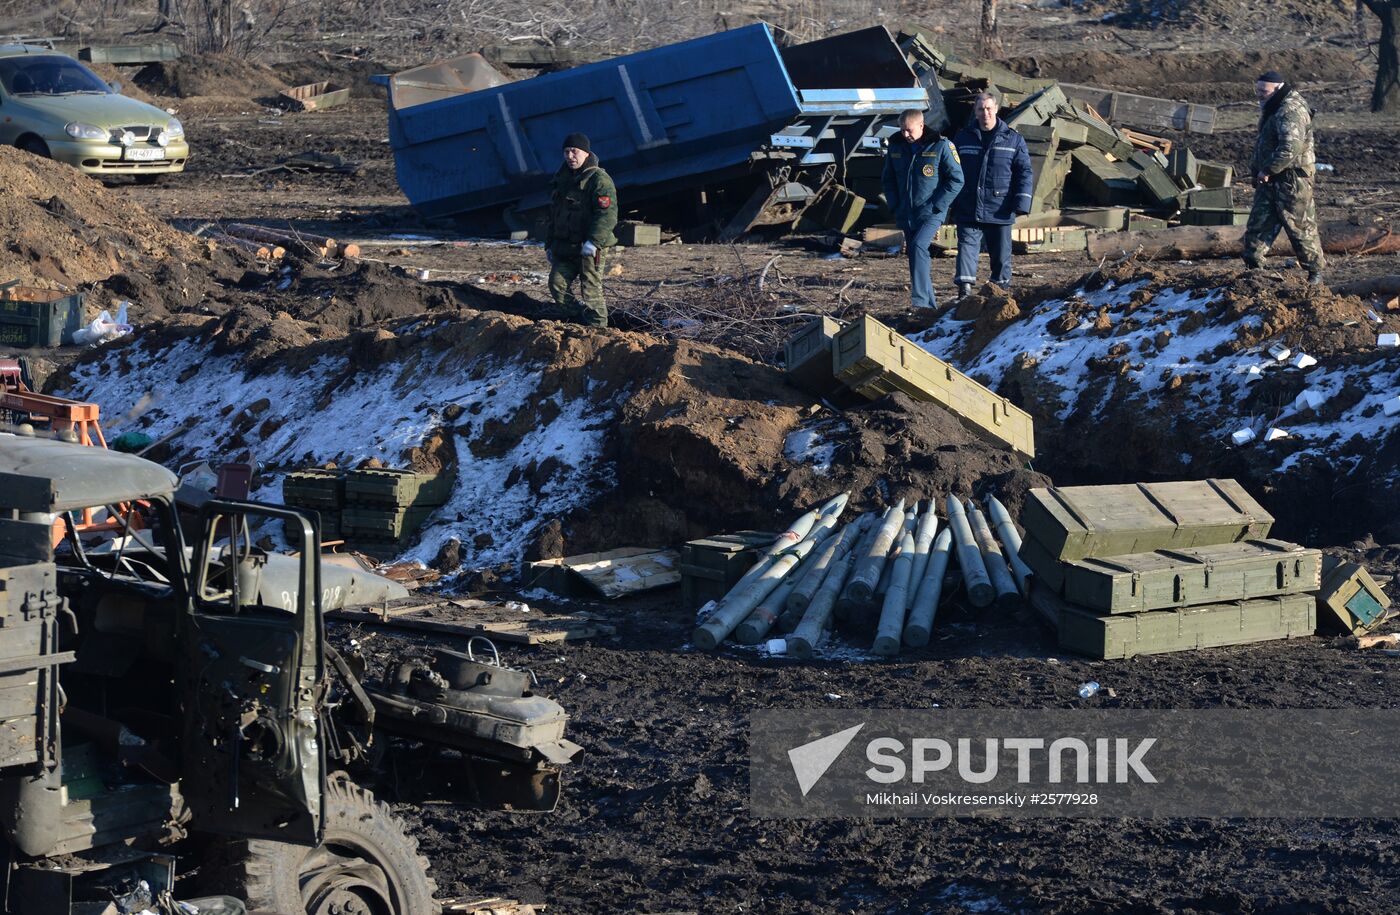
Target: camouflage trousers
(588,305)
(1286,203)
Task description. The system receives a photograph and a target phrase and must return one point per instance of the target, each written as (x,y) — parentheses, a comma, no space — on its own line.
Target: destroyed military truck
(168,707)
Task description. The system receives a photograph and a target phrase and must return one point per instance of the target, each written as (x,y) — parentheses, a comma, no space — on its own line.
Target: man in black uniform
(582,215)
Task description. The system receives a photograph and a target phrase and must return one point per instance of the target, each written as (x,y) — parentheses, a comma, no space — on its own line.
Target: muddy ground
(654,816)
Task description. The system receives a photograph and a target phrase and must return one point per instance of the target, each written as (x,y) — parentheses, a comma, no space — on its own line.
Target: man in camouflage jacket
(1285,168)
(582,215)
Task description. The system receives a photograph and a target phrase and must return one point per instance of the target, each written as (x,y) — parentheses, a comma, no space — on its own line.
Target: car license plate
(143,155)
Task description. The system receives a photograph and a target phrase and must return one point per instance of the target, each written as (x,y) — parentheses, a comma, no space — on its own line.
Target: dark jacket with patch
(583,206)
(920,181)
(999,177)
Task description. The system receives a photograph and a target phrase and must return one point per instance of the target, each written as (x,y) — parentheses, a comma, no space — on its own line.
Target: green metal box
(1349,599)
(401,488)
(1184,578)
(39,317)
(712,565)
(314,488)
(1214,174)
(807,357)
(1077,522)
(873,360)
(1161,631)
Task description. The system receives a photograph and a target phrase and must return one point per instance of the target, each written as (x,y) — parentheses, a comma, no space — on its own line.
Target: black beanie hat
(577,141)
(1273,76)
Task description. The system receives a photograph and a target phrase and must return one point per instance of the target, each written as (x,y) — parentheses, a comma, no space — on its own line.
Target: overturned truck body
(717,135)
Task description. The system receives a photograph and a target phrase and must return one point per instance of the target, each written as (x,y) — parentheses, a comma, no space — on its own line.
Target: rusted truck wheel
(368,865)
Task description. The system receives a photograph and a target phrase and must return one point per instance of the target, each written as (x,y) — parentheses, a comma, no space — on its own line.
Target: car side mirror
(115,87)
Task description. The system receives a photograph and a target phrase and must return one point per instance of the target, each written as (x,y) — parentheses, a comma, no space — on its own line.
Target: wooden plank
(525,632)
(1144,110)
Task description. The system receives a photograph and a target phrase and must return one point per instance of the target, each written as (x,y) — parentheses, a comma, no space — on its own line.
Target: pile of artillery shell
(877,577)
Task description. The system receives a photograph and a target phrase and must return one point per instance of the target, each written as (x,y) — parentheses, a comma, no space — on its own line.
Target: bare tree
(1385,95)
(988,40)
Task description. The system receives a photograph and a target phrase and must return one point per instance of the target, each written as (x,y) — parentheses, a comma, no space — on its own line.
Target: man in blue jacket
(921,178)
(998,189)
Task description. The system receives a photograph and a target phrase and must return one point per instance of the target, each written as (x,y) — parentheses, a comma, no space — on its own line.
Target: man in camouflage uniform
(1285,168)
(582,215)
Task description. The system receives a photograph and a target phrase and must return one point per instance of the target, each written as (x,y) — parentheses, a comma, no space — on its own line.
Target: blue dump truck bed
(728,107)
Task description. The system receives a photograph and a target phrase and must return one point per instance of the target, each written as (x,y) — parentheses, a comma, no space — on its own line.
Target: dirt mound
(564,440)
(1321,14)
(210,76)
(126,78)
(1190,74)
(62,228)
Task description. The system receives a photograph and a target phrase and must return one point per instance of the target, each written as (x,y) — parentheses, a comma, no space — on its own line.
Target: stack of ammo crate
(1158,567)
(375,509)
(322,491)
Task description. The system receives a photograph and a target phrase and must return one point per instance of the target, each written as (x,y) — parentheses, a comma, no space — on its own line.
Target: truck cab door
(252,682)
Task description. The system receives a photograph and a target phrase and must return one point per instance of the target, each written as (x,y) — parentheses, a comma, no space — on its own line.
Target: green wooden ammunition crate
(638,234)
(1210,198)
(314,488)
(1047,569)
(807,356)
(131,53)
(1349,599)
(710,566)
(382,523)
(1137,221)
(873,360)
(1154,181)
(837,208)
(331,525)
(1214,217)
(1160,631)
(1077,522)
(1113,218)
(39,317)
(384,486)
(1184,578)
(1038,108)
(1214,174)
(1101,181)
(1183,166)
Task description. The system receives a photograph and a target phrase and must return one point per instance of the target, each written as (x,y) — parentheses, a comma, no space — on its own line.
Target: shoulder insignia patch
(928,171)
(604,201)
(954,150)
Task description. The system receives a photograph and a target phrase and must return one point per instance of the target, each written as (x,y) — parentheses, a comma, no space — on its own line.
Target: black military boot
(964,290)
(1315,278)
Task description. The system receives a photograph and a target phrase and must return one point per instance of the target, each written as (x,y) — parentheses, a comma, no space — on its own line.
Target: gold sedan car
(53,106)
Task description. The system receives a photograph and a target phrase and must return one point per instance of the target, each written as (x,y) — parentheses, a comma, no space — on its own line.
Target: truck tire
(368,864)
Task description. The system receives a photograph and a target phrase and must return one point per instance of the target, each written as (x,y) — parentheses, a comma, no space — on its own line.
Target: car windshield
(48,74)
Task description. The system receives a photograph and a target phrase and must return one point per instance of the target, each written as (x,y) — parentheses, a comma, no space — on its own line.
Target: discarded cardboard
(612,574)
(536,629)
(873,360)
(315,96)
